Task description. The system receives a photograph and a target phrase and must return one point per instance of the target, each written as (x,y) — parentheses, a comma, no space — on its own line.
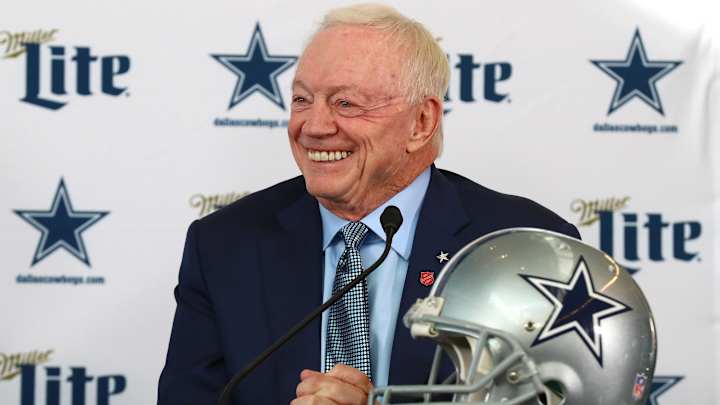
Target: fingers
(352,376)
(333,387)
(312,400)
(309,373)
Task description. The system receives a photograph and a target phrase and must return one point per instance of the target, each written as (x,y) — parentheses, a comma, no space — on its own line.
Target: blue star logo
(578,307)
(61,226)
(636,76)
(660,384)
(257,71)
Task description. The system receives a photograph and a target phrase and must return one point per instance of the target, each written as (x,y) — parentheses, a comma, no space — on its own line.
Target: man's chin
(323,192)
(331,191)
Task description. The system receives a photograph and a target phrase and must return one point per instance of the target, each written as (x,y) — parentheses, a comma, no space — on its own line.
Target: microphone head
(391,219)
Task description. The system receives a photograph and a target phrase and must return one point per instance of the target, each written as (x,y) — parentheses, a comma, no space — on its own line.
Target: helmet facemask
(491,367)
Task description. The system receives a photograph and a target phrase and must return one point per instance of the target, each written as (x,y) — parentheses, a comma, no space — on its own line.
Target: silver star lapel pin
(442,257)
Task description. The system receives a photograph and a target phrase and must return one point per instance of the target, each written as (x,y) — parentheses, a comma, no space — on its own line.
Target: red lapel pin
(427,278)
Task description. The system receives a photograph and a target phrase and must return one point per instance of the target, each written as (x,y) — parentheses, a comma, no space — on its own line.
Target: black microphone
(390,219)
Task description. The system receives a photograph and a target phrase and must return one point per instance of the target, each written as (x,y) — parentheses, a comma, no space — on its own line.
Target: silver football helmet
(529,316)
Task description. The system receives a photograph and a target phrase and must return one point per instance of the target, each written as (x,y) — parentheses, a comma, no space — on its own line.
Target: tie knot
(353,233)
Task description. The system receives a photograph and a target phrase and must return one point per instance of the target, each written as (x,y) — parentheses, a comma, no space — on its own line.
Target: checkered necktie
(348,328)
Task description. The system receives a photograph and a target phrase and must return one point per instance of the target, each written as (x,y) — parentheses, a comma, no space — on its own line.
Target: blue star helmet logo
(636,76)
(61,226)
(578,307)
(257,71)
(660,384)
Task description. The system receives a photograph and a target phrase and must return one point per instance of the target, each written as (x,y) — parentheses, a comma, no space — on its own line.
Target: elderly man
(365,129)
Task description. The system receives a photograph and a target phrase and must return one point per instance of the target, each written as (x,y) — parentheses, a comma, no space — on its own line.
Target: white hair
(425,72)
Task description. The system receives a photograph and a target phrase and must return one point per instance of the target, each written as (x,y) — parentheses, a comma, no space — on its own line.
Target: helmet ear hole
(556,386)
(555,393)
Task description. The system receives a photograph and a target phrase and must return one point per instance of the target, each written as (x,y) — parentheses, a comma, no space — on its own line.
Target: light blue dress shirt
(385,284)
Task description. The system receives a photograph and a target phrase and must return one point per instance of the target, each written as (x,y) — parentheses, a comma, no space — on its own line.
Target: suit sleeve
(193,372)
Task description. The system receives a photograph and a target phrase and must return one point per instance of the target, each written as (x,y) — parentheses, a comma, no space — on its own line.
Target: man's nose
(321,121)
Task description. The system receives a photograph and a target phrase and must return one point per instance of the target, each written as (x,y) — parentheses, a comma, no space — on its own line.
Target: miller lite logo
(653,226)
(636,239)
(60,69)
(77,381)
(209,203)
(472,75)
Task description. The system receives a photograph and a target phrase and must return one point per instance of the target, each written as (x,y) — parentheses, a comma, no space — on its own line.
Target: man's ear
(427,120)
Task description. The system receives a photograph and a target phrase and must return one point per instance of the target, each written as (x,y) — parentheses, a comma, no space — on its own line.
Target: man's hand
(343,385)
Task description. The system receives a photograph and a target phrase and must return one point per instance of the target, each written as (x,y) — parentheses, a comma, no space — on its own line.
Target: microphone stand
(390,230)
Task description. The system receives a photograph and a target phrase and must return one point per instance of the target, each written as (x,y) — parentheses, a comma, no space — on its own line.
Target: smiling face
(352,133)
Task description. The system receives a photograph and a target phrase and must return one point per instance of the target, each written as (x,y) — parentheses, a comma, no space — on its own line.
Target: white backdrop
(87,269)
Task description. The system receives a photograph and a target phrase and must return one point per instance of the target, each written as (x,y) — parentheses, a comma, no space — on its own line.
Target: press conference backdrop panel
(123,122)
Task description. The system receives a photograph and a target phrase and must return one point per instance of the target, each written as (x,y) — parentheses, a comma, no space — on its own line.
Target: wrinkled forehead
(352,56)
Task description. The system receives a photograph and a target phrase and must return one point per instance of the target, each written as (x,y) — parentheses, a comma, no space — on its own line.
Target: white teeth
(325,156)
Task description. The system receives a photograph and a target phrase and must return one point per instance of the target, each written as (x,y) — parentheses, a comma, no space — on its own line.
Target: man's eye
(298,99)
(347,108)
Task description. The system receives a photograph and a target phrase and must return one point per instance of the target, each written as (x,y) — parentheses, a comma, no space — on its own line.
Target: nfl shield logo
(427,278)
(639,388)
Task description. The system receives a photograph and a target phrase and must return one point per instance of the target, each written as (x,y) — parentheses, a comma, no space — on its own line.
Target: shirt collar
(408,201)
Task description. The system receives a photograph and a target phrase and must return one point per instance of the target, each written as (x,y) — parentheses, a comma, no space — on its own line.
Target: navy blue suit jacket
(253,269)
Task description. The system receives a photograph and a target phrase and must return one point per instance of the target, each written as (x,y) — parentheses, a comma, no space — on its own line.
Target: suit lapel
(293,266)
(292,261)
(442,216)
